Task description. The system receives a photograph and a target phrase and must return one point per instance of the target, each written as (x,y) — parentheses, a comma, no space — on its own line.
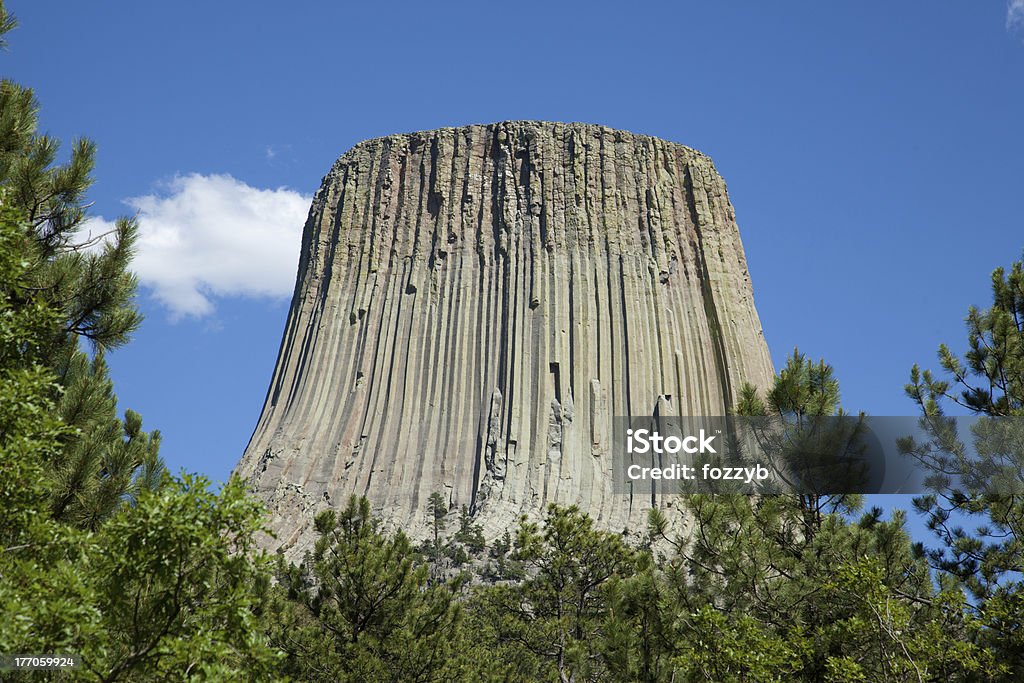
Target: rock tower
(472,307)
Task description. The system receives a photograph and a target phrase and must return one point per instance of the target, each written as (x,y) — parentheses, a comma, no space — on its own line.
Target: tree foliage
(29,428)
(363,608)
(977,506)
(165,587)
(795,587)
(101,553)
(85,282)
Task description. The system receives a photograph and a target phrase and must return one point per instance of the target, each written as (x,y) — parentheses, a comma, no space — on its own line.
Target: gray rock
(472,307)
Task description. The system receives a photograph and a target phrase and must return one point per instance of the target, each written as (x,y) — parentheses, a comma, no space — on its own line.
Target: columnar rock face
(473,305)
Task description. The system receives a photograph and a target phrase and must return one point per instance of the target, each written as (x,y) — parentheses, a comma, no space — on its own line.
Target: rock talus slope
(472,307)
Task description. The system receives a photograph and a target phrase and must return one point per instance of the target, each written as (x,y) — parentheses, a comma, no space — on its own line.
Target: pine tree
(807,427)
(977,506)
(791,587)
(437,509)
(163,589)
(109,461)
(553,621)
(29,428)
(469,534)
(86,281)
(363,609)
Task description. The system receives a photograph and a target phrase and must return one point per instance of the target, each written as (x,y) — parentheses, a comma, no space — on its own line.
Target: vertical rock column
(472,307)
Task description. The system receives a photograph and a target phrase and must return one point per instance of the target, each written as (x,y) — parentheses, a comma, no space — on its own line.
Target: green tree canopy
(363,608)
(977,506)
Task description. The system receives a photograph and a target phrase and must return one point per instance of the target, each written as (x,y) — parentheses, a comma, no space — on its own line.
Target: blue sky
(874,152)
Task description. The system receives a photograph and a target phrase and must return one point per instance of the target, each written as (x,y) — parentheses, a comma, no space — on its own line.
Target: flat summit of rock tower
(473,306)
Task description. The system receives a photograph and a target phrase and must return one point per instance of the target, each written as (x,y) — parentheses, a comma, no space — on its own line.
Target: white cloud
(1015,15)
(208,236)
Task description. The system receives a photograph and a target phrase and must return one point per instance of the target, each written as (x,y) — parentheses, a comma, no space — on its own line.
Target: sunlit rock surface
(472,307)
